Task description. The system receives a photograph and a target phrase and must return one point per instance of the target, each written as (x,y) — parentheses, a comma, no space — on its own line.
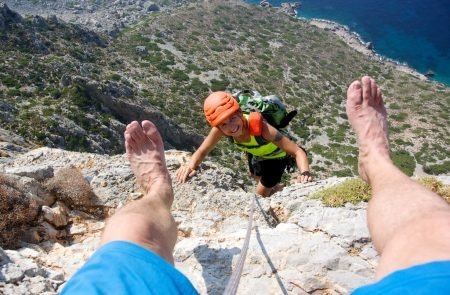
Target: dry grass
(356,190)
(436,186)
(70,187)
(352,190)
(17,212)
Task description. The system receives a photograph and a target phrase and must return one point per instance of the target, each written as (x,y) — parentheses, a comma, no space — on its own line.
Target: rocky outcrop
(99,16)
(115,98)
(11,144)
(290,8)
(265,3)
(8,17)
(20,34)
(297,246)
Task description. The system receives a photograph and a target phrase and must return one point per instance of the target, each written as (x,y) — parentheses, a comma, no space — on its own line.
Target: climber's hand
(304,177)
(184,172)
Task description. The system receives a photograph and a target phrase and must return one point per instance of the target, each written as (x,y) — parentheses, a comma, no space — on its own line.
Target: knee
(263,191)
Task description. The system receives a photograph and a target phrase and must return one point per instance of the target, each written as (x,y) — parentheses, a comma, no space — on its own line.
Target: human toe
(366,82)
(152,132)
(379,97)
(354,96)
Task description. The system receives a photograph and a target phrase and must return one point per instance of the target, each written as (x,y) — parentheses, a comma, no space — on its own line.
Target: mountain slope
(167,63)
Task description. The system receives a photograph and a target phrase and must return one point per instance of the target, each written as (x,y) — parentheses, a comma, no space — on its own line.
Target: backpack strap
(287,119)
(255,123)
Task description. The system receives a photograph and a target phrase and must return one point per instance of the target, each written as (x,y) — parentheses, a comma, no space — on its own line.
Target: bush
(80,97)
(70,187)
(438,169)
(198,87)
(10,82)
(353,190)
(404,161)
(400,117)
(217,85)
(17,212)
(180,76)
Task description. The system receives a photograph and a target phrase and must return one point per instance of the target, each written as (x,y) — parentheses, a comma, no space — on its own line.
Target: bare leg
(147,221)
(262,190)
(408,224)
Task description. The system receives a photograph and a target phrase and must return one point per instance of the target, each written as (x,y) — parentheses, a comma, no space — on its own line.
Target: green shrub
(217,85)
(400,117)
(9,81)
(352,190)
(80,97)
(343,173)
(198,86)
(114,77)
(180,76)
(437,169)
(404,161)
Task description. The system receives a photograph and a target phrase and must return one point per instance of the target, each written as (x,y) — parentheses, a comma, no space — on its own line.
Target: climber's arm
(272,134)
(189,170)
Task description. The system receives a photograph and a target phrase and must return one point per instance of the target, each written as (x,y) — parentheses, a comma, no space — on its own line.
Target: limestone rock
(297,245)
(56,215)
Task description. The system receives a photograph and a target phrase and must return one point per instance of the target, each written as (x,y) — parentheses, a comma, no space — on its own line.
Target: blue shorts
(429,278)
(126,268)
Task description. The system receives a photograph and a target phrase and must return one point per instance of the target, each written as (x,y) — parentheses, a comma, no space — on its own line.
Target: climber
(409,225)
(267,147)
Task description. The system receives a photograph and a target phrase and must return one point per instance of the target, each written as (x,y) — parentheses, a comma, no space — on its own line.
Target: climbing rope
(233,283)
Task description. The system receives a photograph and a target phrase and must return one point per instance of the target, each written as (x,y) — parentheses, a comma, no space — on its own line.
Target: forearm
(302,161)
(196,160)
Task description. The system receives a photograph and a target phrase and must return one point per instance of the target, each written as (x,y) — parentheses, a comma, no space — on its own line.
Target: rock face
(100,16)
(290,8)
(114,96)
(8,17)
(297,245)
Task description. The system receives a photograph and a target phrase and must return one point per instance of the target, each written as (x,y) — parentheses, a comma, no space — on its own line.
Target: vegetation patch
(17,211)
(352,190)
(436,186)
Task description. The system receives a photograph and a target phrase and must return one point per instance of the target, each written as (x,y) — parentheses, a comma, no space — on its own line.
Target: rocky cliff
(297,245)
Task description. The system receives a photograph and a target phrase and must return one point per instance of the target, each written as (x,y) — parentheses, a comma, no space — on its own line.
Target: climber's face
(233,125)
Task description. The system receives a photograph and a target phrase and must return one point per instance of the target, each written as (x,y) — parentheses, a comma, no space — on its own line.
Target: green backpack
(273,110)
(271,107)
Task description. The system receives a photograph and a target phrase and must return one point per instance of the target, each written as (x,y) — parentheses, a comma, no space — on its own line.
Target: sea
(412,32)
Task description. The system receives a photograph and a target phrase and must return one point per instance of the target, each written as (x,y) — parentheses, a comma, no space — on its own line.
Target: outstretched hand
(184,172)
(304,177)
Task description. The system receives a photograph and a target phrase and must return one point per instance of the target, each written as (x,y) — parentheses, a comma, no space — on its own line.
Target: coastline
(355,41)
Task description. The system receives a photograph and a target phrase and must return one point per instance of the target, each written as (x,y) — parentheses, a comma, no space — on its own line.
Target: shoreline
(355,41)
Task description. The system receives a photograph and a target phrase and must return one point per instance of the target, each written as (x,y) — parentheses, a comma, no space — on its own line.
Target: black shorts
(270,170)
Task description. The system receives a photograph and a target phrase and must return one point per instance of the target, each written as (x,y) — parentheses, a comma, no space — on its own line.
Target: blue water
(415,32)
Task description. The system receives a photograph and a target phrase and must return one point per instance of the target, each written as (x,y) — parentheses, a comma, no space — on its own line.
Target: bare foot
(367,115)
(145,151)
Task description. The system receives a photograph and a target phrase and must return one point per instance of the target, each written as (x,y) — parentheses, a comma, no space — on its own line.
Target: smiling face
(233,125)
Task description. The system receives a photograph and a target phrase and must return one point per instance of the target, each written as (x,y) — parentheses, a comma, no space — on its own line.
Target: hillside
(64,86)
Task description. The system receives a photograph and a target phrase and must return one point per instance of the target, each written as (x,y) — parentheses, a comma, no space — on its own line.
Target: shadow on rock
(217,267)
(269,261)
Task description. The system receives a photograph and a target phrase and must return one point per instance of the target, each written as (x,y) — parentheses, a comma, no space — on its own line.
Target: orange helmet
(219,106)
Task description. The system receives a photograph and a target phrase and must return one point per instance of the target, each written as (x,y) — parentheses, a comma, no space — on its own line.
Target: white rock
(57,215)
(77,229)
